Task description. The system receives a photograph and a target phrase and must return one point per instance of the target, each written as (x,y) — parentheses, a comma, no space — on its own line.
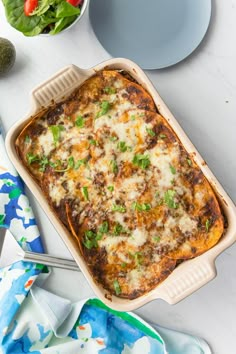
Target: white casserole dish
(188,276)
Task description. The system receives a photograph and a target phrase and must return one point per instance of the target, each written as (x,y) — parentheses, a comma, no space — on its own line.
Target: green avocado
(7,55)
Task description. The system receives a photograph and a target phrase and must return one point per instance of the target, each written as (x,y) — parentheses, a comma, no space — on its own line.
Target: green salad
(33,17)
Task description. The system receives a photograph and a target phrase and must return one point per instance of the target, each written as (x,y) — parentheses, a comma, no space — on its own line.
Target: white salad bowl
(83,8)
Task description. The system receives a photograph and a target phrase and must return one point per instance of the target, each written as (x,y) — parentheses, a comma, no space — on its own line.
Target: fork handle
(49,260)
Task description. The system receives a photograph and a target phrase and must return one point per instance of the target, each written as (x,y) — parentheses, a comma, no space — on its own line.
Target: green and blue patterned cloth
(28,322)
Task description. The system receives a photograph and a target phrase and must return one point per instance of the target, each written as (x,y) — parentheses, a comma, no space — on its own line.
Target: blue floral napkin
(33,320)
(17,216)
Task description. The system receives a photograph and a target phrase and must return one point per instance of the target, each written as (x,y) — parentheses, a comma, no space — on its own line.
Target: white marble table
(201,92)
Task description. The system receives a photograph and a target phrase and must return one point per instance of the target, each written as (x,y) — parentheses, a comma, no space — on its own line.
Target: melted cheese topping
(123,170)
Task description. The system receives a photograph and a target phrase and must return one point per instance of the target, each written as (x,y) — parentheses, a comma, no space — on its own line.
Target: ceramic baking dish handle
(188,278)
(57,87)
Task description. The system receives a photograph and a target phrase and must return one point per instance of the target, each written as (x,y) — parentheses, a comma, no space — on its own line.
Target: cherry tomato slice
(75,2)
(30,6)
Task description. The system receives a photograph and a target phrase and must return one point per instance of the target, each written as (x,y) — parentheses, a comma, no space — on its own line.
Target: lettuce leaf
(64,9)
(46,19)
(62,23)
(43,6)
(14,10)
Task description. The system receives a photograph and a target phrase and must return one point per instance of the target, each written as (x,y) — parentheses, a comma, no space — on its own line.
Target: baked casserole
(119,178)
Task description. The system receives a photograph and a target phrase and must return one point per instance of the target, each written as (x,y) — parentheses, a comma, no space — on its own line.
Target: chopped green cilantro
(79,122)
(90,239)
(110,188)
(117,287)
(90,234)
(80,163)
(150,132)
(93,142)
(138,257)
(173,170)
(118,229)
(189,162)
(132,117)
(156,238)
(56,132)
(169,199)
(113,138)
(120,208)
(104,227)
(27,139)
(114,166)
(141,207)
(32,158)
(99,236)
(43,163)
(85,193)
(110,90)
(123,265)
(105,107)
(55,164)
(141,161)
(162,136)
(207,225)
(122,146)
(71,162)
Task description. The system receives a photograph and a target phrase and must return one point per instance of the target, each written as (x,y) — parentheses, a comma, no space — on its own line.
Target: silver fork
(12,252)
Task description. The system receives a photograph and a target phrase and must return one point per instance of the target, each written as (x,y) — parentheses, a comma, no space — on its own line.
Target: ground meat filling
(119,179)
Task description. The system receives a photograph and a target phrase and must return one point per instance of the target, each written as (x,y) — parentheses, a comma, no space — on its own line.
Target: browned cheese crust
(120,180)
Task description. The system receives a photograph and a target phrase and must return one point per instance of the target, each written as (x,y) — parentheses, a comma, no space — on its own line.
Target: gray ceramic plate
(153,33)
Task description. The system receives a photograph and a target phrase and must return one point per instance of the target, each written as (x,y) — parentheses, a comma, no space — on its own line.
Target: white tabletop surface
(201,92)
